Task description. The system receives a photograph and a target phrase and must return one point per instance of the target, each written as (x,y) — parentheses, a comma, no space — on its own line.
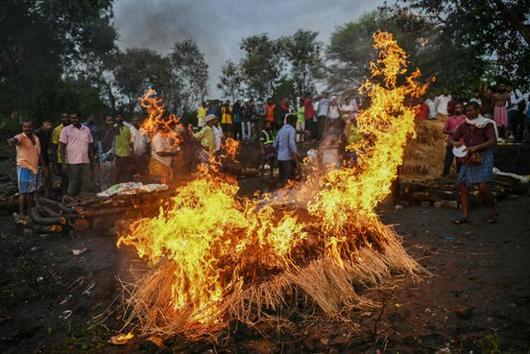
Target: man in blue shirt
(285,146)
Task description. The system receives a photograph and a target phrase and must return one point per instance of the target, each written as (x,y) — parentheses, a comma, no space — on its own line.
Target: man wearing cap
(207,135)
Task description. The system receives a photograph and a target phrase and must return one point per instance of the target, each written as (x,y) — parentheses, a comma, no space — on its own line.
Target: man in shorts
(28,158)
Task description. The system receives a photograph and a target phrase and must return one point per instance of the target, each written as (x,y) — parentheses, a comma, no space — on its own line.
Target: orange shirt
(269,112)
(27,152)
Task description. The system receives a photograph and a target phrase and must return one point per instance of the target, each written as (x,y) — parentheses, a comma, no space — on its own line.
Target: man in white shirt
(430,102)
(163,153)
(441,104)
(140,142)
(516,106)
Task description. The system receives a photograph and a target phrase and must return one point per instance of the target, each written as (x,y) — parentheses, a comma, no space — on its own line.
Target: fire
(231,147)
(218,257)
(157,115)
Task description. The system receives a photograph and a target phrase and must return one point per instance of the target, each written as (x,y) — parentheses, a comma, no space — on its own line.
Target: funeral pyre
(216,257)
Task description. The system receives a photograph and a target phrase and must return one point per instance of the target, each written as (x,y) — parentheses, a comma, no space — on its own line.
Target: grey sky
(218,26)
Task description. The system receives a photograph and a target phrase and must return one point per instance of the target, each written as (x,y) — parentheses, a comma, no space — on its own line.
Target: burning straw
(217,258)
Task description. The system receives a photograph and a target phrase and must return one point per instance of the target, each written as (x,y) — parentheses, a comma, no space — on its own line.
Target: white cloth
(351,108)
(477,100)
(160,144)
(432,107)
(333,112)
(218,137)
(516,97)
(481,122)
(441,104)
(139,139)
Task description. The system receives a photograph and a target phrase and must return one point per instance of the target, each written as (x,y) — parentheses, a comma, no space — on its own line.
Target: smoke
(218,26)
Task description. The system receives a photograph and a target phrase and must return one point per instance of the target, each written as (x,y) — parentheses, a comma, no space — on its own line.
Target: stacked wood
(444,189)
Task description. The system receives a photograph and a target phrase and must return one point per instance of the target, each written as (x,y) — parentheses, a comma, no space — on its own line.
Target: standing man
(452,124)
(431,103)
(58,163)
(268,155)
(516,107)
(162,155)
(226,118)
(107,156)
(77,153)
(310,117)
(207,134)
(140,142)
(28,156)
(201,114)
(270,112)
(322,114)
(441,103)
(285,146)
(122,149)
(44,133)
(480,136)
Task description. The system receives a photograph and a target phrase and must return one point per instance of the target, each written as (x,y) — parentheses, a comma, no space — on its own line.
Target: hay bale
(424,155)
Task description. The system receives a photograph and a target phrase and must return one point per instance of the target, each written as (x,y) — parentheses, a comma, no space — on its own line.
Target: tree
(230,82)
(40,40)
(261,65)
(302,53)
(190,74)
(350,51)
(138,69)
(492,29)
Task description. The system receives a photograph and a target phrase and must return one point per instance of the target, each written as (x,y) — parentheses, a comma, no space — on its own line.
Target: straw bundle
(424,155)
(367,260)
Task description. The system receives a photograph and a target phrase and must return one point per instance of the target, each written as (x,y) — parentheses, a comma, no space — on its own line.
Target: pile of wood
(443,192)
(88,212)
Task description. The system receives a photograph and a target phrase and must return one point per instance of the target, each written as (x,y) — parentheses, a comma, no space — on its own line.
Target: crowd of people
(90,156)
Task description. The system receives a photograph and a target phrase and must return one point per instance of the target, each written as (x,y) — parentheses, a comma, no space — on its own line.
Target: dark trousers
(449,157)
(79,178)
(311,126)
(516,124)
(321,126)
(60,171)
(287,169)
(236,131)
(123,166)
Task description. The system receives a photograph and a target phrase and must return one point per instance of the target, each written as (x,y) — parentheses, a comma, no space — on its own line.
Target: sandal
(493,218)
(461,221)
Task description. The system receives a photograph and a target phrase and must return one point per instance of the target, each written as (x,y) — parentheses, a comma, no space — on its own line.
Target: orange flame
(220,244)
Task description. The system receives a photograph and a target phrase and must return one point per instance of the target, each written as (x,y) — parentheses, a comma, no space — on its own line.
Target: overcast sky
(218,26)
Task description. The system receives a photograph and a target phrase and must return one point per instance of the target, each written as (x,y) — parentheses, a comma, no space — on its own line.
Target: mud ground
(477,298)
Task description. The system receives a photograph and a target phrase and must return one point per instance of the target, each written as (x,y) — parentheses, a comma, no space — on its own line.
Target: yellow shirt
(201,114)
(123,141)
(226,115)
(56,134)
(207,138)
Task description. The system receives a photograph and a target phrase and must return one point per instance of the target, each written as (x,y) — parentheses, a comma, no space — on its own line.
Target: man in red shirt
(452,124)
(309,115)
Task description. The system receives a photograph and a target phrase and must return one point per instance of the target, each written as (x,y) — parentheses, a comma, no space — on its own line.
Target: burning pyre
(217,257)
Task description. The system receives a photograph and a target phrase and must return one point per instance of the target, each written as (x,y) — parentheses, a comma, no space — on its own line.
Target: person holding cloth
(285,145)
(480,136)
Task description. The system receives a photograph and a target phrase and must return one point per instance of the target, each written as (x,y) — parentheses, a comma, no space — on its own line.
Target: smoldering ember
(267,177)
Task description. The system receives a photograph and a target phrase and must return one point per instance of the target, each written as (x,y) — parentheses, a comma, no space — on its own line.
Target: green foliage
(302,53)
(189,75)
(138,69)
(40,41)
(231,80)
(261,65)
(492,30)
(429,49)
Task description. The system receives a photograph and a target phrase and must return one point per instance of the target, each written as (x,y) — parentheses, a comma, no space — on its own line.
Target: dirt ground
(477,298)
